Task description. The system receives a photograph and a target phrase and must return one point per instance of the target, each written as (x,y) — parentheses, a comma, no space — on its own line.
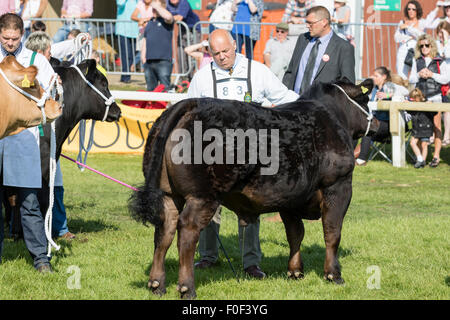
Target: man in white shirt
(20,161)
(232,76)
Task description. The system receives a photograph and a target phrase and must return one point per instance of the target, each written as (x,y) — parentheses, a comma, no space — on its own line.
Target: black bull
(80,102)
(313,179)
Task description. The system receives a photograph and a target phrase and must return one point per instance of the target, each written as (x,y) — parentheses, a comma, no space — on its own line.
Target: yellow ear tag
(101,69)
(364,89)
(25,82)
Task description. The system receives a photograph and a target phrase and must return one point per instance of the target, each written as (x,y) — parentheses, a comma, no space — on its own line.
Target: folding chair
(381,147)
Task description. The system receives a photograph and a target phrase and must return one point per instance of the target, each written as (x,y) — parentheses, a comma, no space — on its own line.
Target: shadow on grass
(13,250)
(274,266)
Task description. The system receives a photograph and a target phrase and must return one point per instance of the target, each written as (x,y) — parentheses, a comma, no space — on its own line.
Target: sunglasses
(281,31)
(412,9)
(424,45)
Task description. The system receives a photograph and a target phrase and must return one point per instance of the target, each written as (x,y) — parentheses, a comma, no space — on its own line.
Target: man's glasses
(424,46)
(312,23)
(281,31)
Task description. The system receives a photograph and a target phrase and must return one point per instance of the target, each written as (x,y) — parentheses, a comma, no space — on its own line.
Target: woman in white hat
(432,20)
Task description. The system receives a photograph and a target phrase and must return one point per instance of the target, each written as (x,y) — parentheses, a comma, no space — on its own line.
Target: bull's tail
(146,205)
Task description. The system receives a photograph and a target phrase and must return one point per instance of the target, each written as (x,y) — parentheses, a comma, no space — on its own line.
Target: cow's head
(357,118)
(22,109)
(98,79)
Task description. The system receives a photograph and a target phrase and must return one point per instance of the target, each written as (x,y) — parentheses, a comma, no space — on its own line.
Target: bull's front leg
(336,201)
(295,232)
(194,217)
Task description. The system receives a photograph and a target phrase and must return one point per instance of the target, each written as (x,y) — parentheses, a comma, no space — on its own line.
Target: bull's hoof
(336,279)
(295,275)
(186,293)
(156,288)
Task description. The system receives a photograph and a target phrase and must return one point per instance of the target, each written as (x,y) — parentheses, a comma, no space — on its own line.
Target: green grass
(398,221)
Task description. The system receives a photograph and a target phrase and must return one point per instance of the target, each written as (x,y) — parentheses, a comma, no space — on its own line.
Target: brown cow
(18,112)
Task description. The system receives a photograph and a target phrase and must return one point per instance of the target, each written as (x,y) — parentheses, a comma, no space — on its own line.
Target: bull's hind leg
(294,233)
(336,200)
(195,216)
(164,235)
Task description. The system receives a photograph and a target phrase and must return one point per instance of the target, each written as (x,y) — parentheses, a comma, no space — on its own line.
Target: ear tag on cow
(101,69)
(364,89)
(87,70)
(248,97)
(25,82)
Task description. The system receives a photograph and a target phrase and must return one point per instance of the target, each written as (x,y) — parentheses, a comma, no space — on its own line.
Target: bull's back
(286,173)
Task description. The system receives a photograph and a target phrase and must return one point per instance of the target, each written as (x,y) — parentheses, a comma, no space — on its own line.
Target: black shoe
(255,272)
(204,264)
(434,163)
(44,268)
(419,164)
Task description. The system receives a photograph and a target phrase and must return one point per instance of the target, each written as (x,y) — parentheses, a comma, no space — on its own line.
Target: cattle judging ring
(267,151)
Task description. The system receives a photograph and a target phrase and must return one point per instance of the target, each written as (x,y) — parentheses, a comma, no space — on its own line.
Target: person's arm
(135,15)
(267,55)
(430,19)
(347,62)
(413,76)
(444,76)
(274,90)
(144,51)
(400,36)
(42,7)
(163,12)
(252,6)
(193,50)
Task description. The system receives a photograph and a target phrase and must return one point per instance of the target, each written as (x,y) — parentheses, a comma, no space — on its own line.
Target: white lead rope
(368,114)
(52,173)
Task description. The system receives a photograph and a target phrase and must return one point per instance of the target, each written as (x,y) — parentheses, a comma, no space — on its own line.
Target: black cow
(80,102)
(313,178)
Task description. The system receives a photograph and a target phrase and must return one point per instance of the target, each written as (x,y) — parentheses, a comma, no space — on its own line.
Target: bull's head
(98,79)
(21,111)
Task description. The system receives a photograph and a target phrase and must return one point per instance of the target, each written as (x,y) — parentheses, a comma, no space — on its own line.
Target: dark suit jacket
(340,65)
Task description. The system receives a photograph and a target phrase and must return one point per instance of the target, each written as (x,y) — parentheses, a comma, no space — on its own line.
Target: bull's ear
(88,68)
(366,86)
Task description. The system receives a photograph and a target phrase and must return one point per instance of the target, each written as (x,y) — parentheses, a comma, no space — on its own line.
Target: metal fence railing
(112,55)
(374,44)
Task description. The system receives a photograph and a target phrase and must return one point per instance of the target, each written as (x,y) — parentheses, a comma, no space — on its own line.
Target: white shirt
(63,49)
(20,157)
(407,37)
(265,84)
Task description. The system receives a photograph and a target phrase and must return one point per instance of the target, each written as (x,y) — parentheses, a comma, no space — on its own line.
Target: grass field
(395,243)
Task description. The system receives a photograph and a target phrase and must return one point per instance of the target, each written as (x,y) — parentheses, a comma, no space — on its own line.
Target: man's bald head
(222,48)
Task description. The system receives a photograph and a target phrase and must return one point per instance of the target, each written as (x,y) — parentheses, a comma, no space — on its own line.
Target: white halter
(368,114)
(108,101)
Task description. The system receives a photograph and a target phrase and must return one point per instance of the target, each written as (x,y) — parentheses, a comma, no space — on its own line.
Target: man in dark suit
(319,55)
